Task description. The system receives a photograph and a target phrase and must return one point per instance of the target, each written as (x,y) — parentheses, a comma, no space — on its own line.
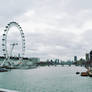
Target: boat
(90,73)
(84,74)
(3,70)
(6,90)
(77,72)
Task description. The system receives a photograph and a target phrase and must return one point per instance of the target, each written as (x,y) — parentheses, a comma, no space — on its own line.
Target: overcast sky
(53,28)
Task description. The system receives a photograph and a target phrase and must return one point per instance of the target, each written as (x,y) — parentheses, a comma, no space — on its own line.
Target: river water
(46,79)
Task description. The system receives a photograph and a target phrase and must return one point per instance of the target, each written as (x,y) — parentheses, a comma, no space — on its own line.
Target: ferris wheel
(5,35)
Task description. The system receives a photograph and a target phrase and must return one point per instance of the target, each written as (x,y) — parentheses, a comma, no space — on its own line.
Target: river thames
(46,79)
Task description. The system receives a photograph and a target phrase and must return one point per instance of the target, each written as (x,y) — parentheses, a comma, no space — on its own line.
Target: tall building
(90,56)
(75,58)
(87,57)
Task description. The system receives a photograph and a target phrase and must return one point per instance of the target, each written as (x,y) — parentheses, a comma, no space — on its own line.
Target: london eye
(5,36)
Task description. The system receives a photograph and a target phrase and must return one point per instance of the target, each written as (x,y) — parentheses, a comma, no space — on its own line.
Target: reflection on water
(46,79)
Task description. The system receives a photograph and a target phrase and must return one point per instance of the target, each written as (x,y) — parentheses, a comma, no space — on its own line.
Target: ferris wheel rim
(4,39)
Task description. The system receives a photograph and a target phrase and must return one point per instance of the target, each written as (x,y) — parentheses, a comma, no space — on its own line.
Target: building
(34,60)
(75,58)
(87,57)
(90,56)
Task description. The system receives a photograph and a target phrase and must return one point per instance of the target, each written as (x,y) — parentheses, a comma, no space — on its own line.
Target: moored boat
(84,73)
(6,90)
(90,73)
(3,70)
(77,72)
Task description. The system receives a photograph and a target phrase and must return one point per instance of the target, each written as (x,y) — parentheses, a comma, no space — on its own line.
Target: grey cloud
(50,19)
(75,6)
(87,39)
(55,43)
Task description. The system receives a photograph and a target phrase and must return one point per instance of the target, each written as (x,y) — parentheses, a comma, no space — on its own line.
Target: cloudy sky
(53,28)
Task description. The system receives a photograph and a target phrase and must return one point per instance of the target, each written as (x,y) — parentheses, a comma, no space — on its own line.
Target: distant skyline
(53,28)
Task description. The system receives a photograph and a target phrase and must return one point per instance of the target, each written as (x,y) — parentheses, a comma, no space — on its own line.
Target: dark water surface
(46,79)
